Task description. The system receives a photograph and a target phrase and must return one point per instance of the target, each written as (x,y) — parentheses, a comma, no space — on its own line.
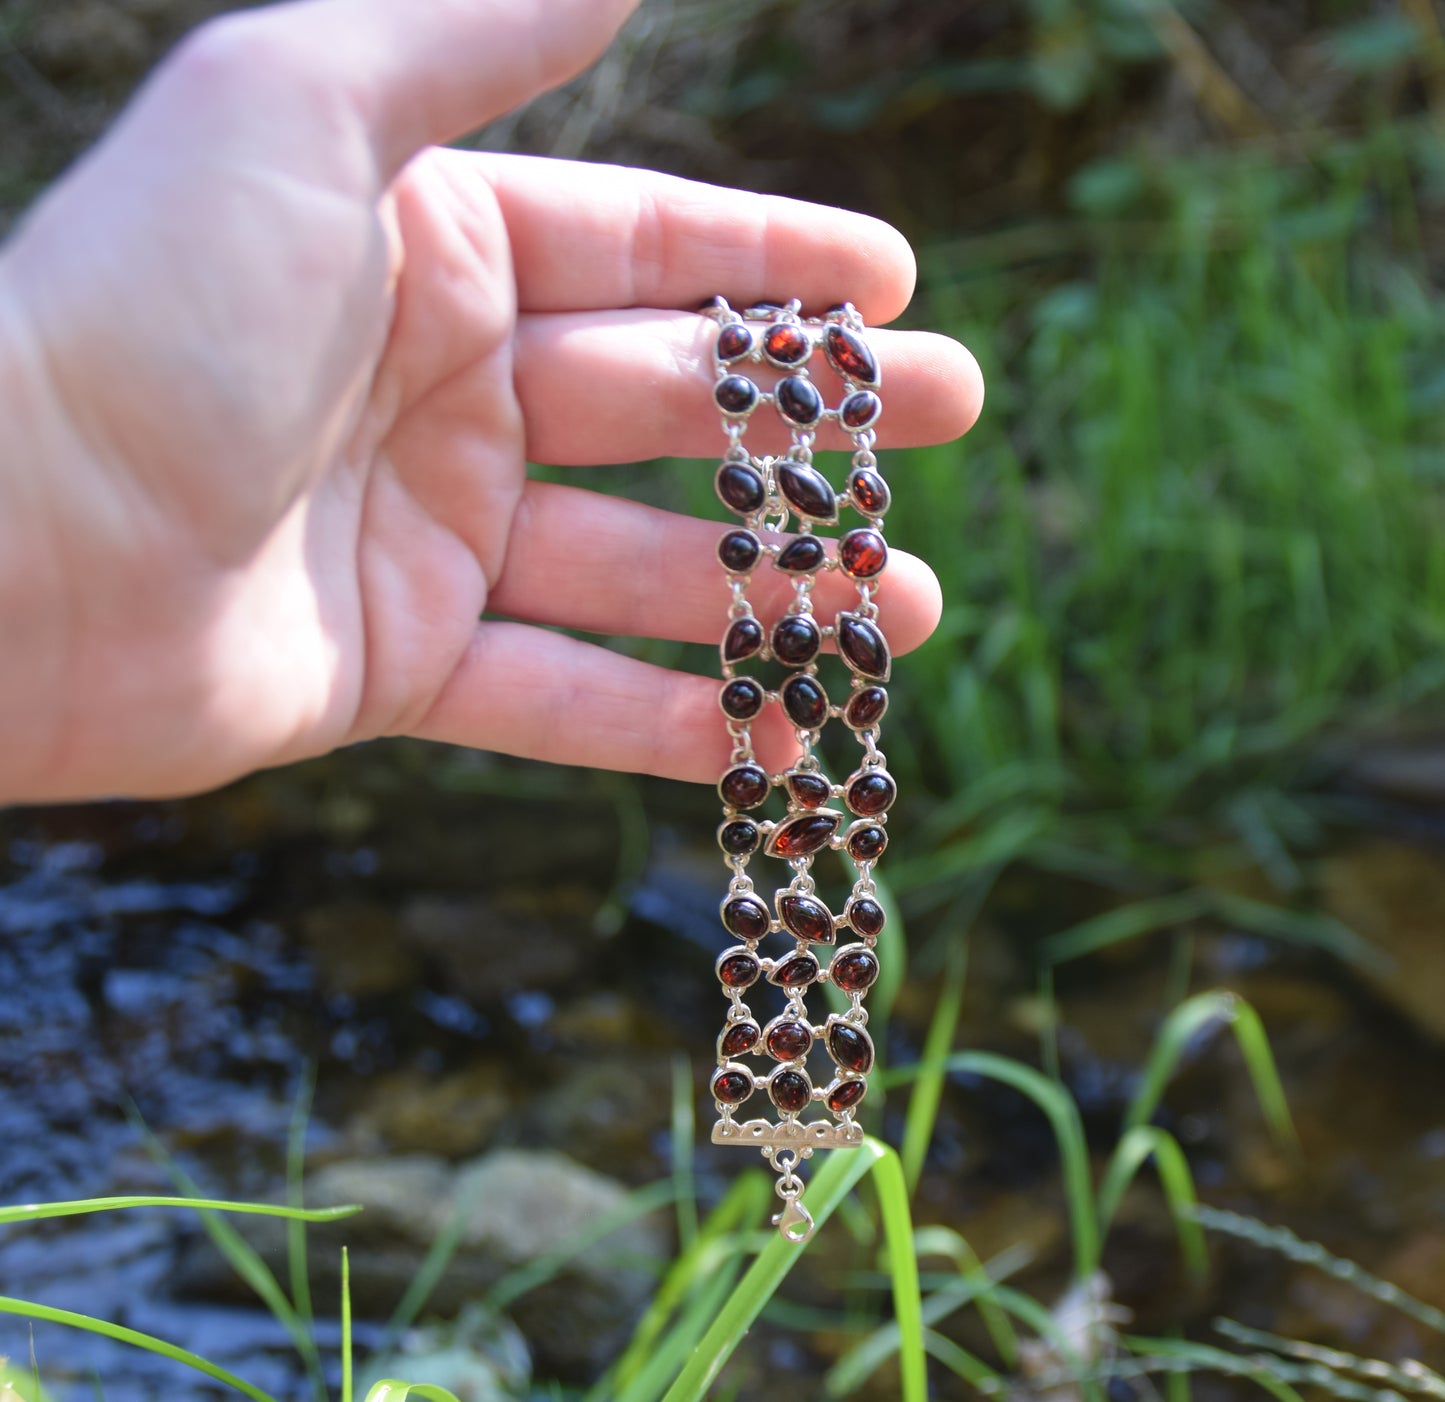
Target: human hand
(269,380)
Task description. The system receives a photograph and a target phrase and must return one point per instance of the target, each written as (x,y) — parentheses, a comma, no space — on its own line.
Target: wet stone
(871,793)
(743,639)
(741,488)
(732,1087)
(805,702)
(854,970)
(866,844)
(848,353)
(866,916)
(865,707)
(862,644)
(796,640)
(802,556)
(739,838)
(741,699)
(787,1041)
(809,789)
(806,490)
(803,835)
(786,344)
(851,1047)
(738,969)
(734,341)
(869,492)
(740,1038)
(860,410)
(796,971)
(739,551)
(744,786)
(790,1090)
(798,400)
(844,1095)
(735,395)
(746,917)
(806,917)
(862,554)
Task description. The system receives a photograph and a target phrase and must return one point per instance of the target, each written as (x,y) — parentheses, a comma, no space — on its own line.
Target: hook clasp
(794,1222)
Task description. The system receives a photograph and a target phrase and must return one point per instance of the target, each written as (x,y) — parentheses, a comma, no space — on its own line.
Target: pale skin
(272,365)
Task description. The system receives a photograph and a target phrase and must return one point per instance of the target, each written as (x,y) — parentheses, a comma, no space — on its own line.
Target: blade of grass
(296,1263)
(944,1241)
(960,1362)
(927,1089)
(683,1137)
(1028,1310)
(891,1185)
(1206,1358)
(390,1390)
(41,1211)
(1134,1148)
(1127,922)
(346,1382)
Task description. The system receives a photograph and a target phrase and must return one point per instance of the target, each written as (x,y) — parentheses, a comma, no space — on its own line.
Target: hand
(269,380)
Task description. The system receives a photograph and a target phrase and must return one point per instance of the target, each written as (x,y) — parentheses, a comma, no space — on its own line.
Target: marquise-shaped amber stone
(737,968)
(860,410)
(744,786)
(863,646)
(865,915)
(787,1041)
(851,1047)
(862,554)
(795,640)
(865,707)
(844,1095)
(806,490)
(796,971)
(746,917)
(739,837)
(848,353)
(743,639)
(785,343)
(804,701)
(854,969)
(734,341)
(801,556)
(866,844)
(735,395)
(809,789)
(869,492)
(740,488)
(739,1038)
(803,835)
(806,917)
(871,793)
(790,1089)
(798,400)
(731,1086)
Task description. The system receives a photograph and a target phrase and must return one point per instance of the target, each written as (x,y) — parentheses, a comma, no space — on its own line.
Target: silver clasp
(794,1222)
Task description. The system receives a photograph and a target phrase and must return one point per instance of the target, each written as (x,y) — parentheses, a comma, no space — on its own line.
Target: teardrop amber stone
(807,918)
(844,1095)
(871,793)
(863,646)
(798,400)
(809,789)
(731,1087)
(741,699)
(786,344)
(796,971)
(740,1038)
(803,835)
(740,488)
(806,490)
(735,395)
(849,355)
(791,1090)
(743,639)
(860,410)
(738,969)
(862,554)
(866,844)
(851,1047)
(739,551)
(869,492)
(734,341)
(744,786)
(866,916)
(805,702)
(802,556)
(865,707)
(746,917)
(796,640)
(854,970)
(787,1041)
(739,838)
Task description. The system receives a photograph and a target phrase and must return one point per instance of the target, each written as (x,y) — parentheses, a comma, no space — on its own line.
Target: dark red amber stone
(739,838)
(744,786)
(786,344)
(849,355)
(791,1090)
(741,698)
(799,401)
(735,394)
(870,492)
(796,971)
(809,789)
(871,794)
(746,917)
(803,835)
(734,341)
(865,707)
(787,1041)
(854,970)
(743,639)
(806,490)
(851,1047)
(844,1095)
(802,556)
(866,916)
(805,702)
(866,844)
(796,640)
(739,551)
(863,646)
(860,410)
(738,969)
(740,487)
(740,1038)
(732,1087)
(807,918)
(862,554)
